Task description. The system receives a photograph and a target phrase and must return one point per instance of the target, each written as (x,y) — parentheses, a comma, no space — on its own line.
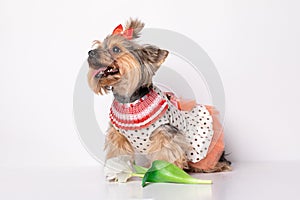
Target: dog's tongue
(102,69)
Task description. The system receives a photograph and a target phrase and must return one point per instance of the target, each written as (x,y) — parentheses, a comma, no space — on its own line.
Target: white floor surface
(274,181)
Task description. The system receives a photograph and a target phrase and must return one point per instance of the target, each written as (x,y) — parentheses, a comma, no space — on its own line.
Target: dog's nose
(92,53)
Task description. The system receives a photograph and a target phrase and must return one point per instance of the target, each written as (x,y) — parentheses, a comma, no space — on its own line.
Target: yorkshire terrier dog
(145,120)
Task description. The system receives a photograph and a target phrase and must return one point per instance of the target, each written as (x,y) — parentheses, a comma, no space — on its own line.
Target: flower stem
(200,181)
(192,180)
(138,175)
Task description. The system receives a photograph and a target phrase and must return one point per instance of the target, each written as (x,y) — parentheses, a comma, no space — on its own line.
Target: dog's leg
(116,144)
(168,144)
(222,165)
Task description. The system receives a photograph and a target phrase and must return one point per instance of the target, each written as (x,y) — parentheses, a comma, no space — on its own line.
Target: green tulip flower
(121,169)
(164,172)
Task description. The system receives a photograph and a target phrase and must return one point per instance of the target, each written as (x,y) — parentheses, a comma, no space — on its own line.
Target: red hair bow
(127,33)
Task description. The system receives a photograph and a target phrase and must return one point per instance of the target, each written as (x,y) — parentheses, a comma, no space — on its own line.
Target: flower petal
(116,168)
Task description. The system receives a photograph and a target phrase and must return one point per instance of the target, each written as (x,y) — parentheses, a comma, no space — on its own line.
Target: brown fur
(220,167)
(131,74)
(168,144)
(116,144)
(136,65)
(136,25)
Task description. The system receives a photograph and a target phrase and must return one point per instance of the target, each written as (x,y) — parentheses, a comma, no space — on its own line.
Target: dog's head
(120,64)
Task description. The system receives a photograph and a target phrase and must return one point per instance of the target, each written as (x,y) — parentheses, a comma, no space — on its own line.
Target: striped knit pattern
(139,114)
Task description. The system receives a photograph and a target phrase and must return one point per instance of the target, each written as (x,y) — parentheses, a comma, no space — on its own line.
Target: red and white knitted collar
(139,114)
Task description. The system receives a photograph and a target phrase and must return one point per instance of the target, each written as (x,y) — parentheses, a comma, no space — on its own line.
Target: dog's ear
(136,25)
(153,55)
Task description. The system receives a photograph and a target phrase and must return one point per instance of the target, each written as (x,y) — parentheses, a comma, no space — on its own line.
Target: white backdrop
(254,44)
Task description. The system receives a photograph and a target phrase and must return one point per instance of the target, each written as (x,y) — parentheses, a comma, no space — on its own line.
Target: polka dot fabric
(139,138)
(196,125)
(199,132)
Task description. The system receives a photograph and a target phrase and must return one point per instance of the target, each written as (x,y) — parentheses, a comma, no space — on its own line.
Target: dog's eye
(116,49)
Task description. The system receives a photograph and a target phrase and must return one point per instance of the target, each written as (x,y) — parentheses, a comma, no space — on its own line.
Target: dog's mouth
(105,72)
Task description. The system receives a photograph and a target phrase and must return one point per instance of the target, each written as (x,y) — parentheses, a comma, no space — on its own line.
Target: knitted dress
(137,120)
